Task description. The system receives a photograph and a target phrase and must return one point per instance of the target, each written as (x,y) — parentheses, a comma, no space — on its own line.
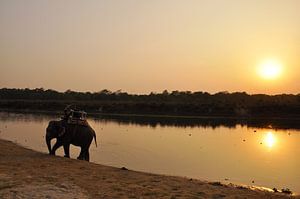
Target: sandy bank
(25,173)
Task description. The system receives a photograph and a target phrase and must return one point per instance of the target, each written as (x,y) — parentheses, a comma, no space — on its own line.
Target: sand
(25,173)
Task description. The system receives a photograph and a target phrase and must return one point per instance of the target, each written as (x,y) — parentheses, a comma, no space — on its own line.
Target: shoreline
(25,173)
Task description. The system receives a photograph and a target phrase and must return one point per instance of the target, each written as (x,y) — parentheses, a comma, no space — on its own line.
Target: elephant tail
(95,139)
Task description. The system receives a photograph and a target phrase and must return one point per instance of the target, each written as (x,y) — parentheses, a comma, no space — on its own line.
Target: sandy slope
(28,174)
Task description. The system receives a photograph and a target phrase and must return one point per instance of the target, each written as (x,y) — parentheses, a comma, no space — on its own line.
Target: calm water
(227,153)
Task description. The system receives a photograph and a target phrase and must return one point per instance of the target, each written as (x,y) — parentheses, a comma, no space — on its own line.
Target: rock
(216,183)
(286,191)
(124,168)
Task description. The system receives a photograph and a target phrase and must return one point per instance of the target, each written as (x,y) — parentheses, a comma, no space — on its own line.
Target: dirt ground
(25,173)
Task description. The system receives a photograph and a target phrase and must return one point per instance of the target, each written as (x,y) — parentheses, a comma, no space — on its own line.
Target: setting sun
(270,69)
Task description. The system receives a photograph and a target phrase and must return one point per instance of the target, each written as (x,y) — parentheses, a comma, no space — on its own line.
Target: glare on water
(270,139)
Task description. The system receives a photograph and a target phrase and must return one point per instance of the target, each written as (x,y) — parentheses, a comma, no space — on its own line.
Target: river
(230,152)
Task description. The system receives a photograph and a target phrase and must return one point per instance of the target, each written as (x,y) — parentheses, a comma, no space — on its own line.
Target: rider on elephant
(67,113)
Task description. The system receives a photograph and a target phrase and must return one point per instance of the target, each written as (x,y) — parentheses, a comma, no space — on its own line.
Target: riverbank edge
(21,167)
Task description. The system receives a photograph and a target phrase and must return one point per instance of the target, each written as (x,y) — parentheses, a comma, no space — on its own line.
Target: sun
(270,69)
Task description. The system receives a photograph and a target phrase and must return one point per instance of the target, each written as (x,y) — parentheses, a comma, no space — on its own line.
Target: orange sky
(141,46)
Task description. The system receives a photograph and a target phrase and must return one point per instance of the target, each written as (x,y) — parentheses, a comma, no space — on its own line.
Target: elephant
(67,134)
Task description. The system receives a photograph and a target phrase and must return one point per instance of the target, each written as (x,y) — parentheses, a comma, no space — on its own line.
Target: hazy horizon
(149,46)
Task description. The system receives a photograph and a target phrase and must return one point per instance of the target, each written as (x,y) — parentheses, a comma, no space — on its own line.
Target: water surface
(235,153)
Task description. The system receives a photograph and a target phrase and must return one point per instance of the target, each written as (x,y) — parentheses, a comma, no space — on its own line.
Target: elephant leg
(87,157)
(55,147)
(81,155)
(84,154)
(67,150)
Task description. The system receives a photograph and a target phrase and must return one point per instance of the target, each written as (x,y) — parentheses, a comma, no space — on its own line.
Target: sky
(140,46)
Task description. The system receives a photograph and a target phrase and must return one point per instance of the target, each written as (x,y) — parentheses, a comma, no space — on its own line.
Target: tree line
(237,104)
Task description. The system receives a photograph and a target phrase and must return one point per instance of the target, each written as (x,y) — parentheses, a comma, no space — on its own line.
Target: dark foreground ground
(28,174)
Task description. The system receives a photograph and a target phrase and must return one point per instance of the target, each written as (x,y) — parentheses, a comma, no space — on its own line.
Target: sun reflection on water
(270,139)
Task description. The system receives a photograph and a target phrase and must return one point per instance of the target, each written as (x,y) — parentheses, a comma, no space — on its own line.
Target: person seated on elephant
(67,113)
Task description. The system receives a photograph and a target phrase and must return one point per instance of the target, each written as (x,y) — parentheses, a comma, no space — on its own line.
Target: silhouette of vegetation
(183,103)
(208,122)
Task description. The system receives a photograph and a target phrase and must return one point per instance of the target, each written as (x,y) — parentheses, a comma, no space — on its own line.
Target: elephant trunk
(48,141)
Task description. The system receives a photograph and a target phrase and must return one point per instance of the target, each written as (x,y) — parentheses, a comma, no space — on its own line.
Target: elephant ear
(62,131)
